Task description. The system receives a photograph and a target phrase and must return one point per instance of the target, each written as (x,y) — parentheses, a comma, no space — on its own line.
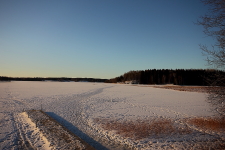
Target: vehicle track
(12,139)
(23,141)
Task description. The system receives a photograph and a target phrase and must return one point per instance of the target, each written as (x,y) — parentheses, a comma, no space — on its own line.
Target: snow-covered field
(78,105)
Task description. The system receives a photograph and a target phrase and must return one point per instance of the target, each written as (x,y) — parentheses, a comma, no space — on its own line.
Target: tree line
(168,76)
(60,79)
(150,76)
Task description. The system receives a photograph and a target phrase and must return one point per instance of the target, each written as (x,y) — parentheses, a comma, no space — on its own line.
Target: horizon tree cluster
(168,76)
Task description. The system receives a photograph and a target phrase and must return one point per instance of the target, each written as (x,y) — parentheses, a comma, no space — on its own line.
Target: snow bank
(30,137)
(58,136)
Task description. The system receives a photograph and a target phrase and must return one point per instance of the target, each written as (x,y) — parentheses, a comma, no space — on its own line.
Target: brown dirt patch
(143,128)
(212,124)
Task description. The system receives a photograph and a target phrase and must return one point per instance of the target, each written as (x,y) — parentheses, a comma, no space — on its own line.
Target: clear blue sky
(99,38)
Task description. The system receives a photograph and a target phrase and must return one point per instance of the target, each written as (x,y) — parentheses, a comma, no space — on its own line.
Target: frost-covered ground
(78,105)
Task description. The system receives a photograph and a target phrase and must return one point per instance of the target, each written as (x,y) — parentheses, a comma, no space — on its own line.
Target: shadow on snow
(76,131)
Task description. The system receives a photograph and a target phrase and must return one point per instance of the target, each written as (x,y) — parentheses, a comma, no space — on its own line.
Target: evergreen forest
(169,76)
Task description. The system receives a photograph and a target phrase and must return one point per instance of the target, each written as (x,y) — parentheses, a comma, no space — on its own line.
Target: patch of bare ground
(165,133)
(208,124)
(143,128)
(200,89)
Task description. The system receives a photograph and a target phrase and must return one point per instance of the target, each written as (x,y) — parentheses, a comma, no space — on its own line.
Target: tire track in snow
(73,109)
(85,104)
(107,141)
(8,138)
(29,136)
(10,102)
(23,141)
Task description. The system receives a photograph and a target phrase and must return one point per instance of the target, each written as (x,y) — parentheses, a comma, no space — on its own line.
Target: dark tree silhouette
(214,26)
(166,76)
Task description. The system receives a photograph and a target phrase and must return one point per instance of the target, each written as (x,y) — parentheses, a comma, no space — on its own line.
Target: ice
(77,104)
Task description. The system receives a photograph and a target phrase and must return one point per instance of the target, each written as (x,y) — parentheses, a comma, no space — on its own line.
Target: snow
(77,104)
(57,136)
(28,132)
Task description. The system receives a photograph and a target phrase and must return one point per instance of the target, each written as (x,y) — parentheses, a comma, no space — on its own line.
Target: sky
(99,38)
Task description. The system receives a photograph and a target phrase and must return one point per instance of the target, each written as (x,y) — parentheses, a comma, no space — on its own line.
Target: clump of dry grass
(186,88)
(212,124)
(142,128)
(201,89)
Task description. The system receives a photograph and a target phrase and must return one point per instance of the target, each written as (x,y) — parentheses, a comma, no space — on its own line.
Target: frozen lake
(77,104)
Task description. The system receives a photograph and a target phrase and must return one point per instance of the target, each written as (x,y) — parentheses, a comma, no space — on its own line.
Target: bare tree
(214,26)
